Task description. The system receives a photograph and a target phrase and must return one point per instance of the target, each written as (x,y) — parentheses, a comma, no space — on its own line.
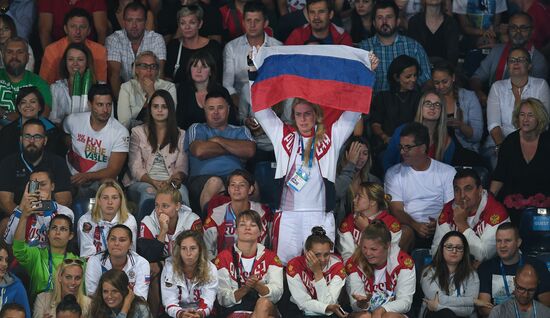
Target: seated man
(99,143)
(215,149)
(496,275)
(419,187)
(77,26)
(17,168)
(13,76)
(319,30)
(523,302)
(220,226)
(37,228)
(475,213)
(232,20)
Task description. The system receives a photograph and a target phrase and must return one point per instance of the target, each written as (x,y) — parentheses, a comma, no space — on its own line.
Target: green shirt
(9,90)
(36,261)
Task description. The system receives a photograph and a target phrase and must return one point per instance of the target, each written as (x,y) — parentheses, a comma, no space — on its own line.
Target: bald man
(523,303)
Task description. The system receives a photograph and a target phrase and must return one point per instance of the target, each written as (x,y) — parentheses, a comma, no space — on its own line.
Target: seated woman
(30,104)
(114,299)
(354,166)
(450,284)
(68,308)
(361,20)
(189,281)
(69,281)
(316,278)
(250,277)
(429,114)
(12,288)
(76,59)
(374,261)
(108,210)
(156,158)
(118,256)
(42,263)
(398,106)
(523,158)
(134,96)
(201,79)
(220,225)
(370,203)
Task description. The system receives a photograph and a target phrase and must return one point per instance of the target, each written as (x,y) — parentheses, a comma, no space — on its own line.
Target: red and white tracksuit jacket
(483,226)
(400,279)
(216,229)
(178,293)
(187,220)
(350,236)
(310,296)
(267,266)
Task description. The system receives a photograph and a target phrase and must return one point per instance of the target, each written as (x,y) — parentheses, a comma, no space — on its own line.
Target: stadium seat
(545,258)
(422,258)
(534,231)
(265,177)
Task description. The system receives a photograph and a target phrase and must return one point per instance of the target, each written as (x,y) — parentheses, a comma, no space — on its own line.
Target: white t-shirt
(423,193)
(91,150)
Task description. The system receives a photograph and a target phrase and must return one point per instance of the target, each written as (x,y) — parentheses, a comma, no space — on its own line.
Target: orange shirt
(49,70)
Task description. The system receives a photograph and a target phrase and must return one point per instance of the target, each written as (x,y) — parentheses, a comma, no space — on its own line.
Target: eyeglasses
(521,28)
(454,248)
(514,60)
(407,148)
(431,105)
(524,290)
(152,67)
(70,261)
(37,137)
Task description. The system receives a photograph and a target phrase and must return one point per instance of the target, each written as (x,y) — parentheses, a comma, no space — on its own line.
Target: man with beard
(77,26)
(319,30)
(124,45)
(99,143)
(387,45)
(14,76)
(17,168)
(493,68)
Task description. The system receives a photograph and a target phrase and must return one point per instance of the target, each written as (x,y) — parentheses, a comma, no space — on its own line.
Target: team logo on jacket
(495,219)
(86,227)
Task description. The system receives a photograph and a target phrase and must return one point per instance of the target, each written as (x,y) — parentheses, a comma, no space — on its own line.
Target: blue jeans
(143,194)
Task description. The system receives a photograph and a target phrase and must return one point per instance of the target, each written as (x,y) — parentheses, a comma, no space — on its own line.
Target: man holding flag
(307,151)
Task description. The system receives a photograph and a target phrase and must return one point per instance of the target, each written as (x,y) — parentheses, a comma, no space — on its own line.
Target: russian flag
(332,76)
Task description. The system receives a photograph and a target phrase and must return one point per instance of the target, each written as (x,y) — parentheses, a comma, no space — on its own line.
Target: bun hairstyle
(375,192)
(69,304)
(318,236)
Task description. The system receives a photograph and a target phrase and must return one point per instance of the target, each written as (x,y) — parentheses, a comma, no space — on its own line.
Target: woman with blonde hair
(69,280)
(189,281)
(110,208)
(369,204)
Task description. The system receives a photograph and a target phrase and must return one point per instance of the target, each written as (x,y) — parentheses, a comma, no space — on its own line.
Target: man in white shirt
(419,187)
(99,143)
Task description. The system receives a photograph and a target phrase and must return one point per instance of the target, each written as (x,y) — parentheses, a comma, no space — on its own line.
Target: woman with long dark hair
(156,158)
(189,281)
(450,284)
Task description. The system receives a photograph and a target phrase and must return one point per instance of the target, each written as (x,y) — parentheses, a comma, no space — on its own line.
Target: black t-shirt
(491,281)
(168,18)
(213,48)
(15,174)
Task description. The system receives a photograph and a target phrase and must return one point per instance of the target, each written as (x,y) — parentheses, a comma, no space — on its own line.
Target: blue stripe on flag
(333,68)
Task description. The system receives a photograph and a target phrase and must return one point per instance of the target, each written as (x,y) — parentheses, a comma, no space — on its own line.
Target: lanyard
(503,274)
(229,211)
(103,236)
(312,150)
(517,310)
(50,267)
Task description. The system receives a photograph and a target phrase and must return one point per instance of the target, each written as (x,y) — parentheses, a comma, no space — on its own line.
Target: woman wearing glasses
(370,203)
(69,281)
(450,284)
(42,263)
(429,114)
(109,209)
(134,96)
(119,256)
(381,278)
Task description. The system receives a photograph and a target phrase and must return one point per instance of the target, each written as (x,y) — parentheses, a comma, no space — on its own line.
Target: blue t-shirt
(220,165)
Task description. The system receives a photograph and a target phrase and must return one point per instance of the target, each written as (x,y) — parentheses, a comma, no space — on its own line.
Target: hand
(432,303)
(362,301)
(423,229)
(490,33)
(251,281)
(460,216)
(313,263)
(190,314)
(163,222)
(79,179)
(482,303)
(361,222)
(176,180)
(159,184)
(335,309)
(374,61)
(454,122)
(378,312)
(129,299)
(148,86)
(28,201)
(154,269)
(352,155)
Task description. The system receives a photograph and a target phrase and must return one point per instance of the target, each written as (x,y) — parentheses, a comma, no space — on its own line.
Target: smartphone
(34,186)
(342,311)
(45,205)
